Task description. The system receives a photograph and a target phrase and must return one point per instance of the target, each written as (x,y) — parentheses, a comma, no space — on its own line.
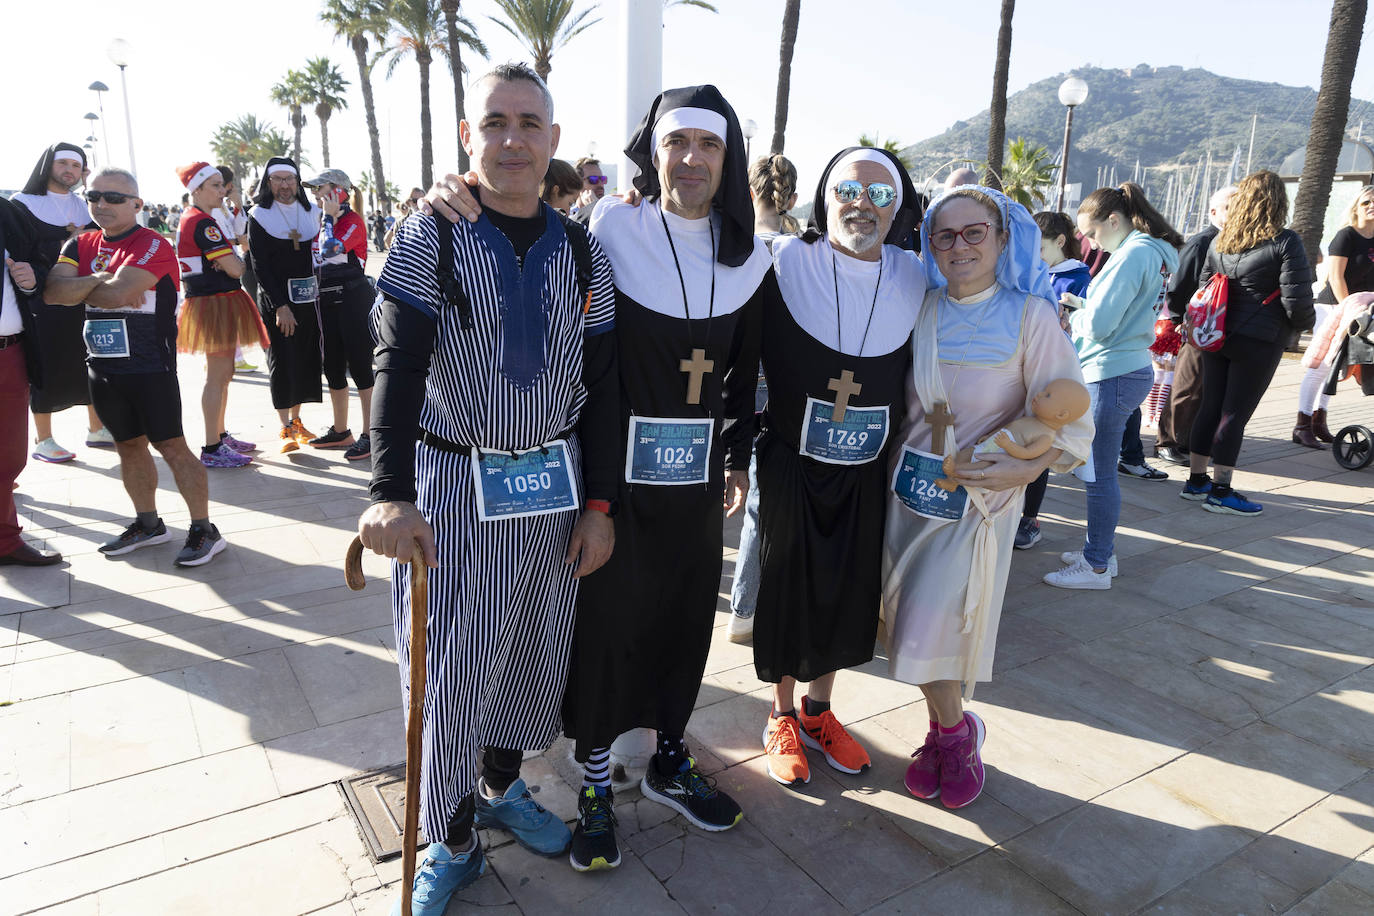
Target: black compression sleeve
(405,343)
(742,379)
(599,425)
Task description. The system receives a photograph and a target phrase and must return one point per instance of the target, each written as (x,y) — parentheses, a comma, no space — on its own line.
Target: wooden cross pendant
(295,239)
(845,388)
(939,419)
(695,368)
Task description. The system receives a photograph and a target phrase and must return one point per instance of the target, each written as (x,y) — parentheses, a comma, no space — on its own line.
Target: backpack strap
(449,287)
(582,258)
(1271,297)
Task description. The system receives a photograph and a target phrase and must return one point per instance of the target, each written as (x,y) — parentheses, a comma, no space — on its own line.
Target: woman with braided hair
(773,187)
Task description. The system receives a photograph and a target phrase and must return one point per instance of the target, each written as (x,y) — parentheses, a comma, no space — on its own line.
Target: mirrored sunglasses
(596,179)
(882,195)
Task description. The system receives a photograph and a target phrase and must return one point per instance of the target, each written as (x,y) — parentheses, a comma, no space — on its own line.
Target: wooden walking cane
(415,720)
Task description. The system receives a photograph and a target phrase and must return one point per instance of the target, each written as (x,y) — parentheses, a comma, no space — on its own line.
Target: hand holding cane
(419,604)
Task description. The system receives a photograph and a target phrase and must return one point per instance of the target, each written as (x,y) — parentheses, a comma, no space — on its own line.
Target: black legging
(1035,494)
(1234,379)
(500,768)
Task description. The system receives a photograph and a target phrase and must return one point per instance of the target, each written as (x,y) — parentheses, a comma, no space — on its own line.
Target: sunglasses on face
(972,234)
(595,179)
(882,195)
(110,197)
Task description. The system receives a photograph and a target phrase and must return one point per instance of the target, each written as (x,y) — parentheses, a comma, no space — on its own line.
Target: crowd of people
(559,430)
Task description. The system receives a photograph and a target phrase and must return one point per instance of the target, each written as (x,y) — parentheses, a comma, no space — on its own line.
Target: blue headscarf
(1020,266)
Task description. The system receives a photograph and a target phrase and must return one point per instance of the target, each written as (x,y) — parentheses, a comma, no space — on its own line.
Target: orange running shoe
(827,735)
(288,439)
(302,435)
(786,757)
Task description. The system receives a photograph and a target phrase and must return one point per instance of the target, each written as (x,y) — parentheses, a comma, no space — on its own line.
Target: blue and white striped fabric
(501,602)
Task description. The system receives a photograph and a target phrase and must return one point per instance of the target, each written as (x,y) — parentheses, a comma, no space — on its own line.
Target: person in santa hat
(218,316)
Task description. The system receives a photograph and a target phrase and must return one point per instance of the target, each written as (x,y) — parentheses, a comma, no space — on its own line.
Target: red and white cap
(196,174)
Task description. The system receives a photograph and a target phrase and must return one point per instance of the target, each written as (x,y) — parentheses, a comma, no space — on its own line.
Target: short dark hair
(560,177)
(511,72)
(1054,223)
(582,164)
(226,173)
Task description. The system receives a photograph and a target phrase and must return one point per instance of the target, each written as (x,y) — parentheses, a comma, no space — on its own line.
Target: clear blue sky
(903,68)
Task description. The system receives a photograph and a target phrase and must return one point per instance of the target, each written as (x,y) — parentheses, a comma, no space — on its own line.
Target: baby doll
(1063,401)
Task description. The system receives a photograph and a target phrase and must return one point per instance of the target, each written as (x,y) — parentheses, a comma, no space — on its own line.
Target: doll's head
(1061,402)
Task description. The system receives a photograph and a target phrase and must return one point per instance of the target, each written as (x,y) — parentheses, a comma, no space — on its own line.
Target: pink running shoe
(923,776)
(238,445)
(961,769)
(224,457)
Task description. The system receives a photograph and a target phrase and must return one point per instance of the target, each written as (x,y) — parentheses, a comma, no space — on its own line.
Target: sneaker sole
(598,864)
(525,844)
(41,457)
(162,538)
(982,731)
(1095,585)
(100,445)
(216,547)
(1194,497)
(1113,569)
(668,801)
(358,457)
(225,467)
(329,445)
(1227,510)
(834,764)
(774,776)
(740,636)
(1027,546)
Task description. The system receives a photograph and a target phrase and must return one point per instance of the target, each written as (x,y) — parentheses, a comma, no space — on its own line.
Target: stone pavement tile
(252,698)
(1335,897)
(732,729)
(1231,887)
(730,683)
(1341,717)
(1124,849)
(130,727)
(322,755)
(99,816)
(1186,584)
(548,885)
(35,749)
(1221,680)
(9,629)
(724,654)
(345,677)
(1085,615)
(125,862)
(812,825)
(96,576)
(487,892)
(1318,616)
(291,874)
(1256,777)
(867,691)
(1310,848)
(28,588)
(1321,662)
(1021,640)
(989,885)
(737,871)
(953,836)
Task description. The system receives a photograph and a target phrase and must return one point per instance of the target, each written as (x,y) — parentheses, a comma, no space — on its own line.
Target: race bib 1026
(668,452)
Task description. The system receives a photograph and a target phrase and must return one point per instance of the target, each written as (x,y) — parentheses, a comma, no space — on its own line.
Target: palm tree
(1027,174)
(457,37)
(997,126)
(354,21)
(245,143)
(701,4)
(1328,121)
(890,144)
(543,26)
(326,85)
(291,93)
(418,26)
(790,15)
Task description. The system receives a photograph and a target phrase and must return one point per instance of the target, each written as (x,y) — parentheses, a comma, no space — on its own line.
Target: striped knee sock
(597,770)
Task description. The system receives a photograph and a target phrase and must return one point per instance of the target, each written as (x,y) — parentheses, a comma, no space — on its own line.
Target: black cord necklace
(686,313)
(835,275)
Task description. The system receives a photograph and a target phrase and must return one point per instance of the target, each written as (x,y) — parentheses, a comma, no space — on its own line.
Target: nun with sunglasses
(986,342)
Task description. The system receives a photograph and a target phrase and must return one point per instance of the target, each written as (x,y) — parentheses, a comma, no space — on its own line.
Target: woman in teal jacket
(1112,329)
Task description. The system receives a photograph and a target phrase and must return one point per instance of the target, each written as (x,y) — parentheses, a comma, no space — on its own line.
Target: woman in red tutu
(217,316)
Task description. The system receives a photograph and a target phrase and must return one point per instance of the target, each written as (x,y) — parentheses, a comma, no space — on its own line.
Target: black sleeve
(742,378)
(405,343)
(268,281)
(599,425)
(1295,281)
(1348,244)
(1185,280)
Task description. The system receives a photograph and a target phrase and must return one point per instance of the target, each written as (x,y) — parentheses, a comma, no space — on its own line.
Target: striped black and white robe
(501,603)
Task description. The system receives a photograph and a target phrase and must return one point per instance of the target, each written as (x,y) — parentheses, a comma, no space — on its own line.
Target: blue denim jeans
(744,595)
(1132,449)
(1113,400)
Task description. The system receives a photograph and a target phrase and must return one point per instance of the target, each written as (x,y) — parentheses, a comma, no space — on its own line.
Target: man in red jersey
(126,276)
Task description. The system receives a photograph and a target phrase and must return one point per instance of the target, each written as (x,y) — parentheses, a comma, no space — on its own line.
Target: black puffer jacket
(1278,264)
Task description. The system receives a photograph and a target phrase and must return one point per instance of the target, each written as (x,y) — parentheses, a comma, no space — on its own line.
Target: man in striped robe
(508,491)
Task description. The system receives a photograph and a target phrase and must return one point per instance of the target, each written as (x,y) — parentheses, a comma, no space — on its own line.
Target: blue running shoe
(439,874)
(1232,503)
(528,821)
(1196,493)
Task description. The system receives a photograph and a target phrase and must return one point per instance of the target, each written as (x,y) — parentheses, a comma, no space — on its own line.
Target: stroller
(1353,447)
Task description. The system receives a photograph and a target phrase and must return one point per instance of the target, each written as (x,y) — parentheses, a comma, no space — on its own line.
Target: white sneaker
(48,450)
(101,438)
(1079,575)
(1070,557)
(741,628)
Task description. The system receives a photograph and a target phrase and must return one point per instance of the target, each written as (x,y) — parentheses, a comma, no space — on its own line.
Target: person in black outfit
(1269,303)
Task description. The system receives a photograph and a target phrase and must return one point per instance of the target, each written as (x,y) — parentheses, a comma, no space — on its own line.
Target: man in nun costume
(281,229)
(835,356)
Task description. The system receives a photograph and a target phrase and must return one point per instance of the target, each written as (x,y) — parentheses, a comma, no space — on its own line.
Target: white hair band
(685,118)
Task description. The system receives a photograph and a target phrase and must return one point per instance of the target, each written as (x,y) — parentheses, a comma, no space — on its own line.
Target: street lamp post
(749,128)
(1072,93)
(118,52)
(92,117)
(100,89)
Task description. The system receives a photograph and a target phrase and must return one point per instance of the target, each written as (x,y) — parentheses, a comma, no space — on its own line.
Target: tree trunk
(359,43)
(426,135)
(322,115)
(1328,122)
(997,125)
(543,65)
(790,14)
(455,63)
(297,122)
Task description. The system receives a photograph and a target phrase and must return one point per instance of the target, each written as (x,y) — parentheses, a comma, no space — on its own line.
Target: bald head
(959,177)
(1218,206)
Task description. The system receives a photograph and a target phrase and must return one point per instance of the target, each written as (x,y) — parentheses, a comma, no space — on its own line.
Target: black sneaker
(1027,534)
(593,840)
(360,449)
(134,537)
(1140,471)
(692,795)
(201,546)
(333,438)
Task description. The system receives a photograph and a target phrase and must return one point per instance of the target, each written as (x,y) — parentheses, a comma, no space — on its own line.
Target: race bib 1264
(536,482)
(857,439)
(668,452)
(914,484)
